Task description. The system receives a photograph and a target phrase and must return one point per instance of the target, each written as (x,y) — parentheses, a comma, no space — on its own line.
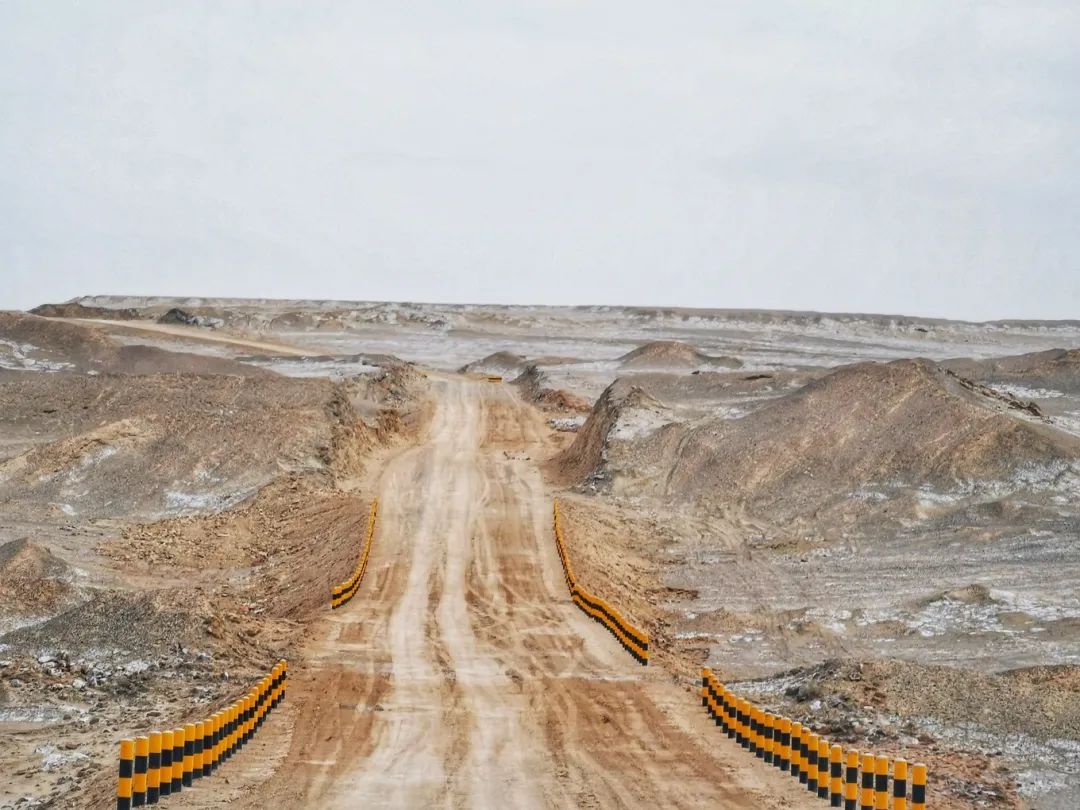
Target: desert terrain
(868,523)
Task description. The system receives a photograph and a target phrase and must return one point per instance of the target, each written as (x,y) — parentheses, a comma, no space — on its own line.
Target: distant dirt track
(194,333)
(461,675)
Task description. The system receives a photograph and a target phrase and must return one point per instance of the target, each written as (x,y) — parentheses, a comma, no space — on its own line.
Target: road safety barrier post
(900,775)
(881,783)
(197,760)
(153,766)
(796,750)
(127,772)
(165,769)
(189,754)
(812,762)
(138,782)
(807,765)
(769,726)
(823,768)
(785,745)
(178,736)
(866,797)
(851,781)
(918,787)
(836,776)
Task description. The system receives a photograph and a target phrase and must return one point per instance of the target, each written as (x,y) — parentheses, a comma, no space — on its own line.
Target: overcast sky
(907,157)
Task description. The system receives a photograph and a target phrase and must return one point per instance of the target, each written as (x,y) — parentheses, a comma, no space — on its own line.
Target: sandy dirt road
(194,334)
(462,675)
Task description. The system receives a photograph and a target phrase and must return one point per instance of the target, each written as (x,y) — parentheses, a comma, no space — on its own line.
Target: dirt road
(462,675)
(194,334)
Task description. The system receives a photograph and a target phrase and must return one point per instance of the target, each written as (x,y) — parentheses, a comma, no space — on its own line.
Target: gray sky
(891,157)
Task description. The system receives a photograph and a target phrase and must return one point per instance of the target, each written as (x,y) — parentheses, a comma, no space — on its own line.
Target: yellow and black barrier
(341,593)
(166,762)
(845,779)
(634,641)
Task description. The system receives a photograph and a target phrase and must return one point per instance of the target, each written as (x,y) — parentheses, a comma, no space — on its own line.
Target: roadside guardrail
(162,763)
(845,778)
(633,640)
(341,593)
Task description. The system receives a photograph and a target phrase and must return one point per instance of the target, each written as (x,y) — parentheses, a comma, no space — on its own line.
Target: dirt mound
(532,381)
(673,354)
(97,446)
(623,414)
(1055,371)
(504,364)
(73,309)
(863,426)
(32,343)
(29,342)
(851,439)
(32,581)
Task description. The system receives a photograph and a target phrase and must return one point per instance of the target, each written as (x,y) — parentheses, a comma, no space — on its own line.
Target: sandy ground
(462,676)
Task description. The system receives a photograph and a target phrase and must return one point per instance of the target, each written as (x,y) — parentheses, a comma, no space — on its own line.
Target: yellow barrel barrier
(341,593)
(634,641)
(166,762)
(826,769)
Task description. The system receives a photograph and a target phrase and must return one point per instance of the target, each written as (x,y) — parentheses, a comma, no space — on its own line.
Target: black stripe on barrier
(881,783)
(918,794)
(899,788)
